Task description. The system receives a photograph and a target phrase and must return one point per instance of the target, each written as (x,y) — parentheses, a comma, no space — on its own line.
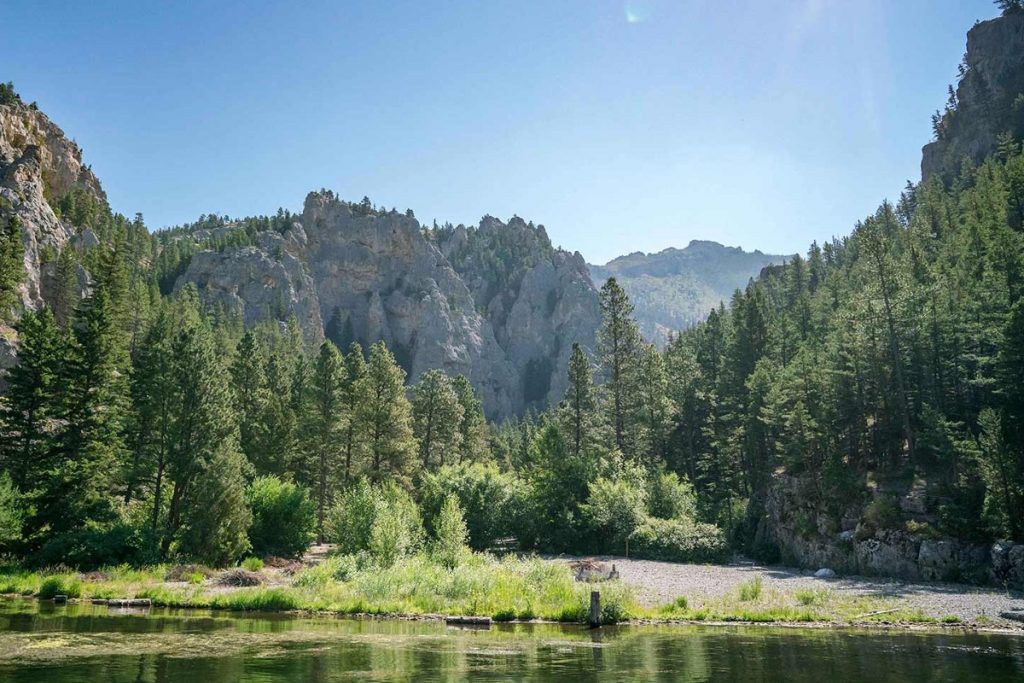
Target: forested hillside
(676,288)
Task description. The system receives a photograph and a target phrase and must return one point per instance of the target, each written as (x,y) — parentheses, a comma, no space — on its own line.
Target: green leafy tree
(283,517)
(450,534)
(252,401)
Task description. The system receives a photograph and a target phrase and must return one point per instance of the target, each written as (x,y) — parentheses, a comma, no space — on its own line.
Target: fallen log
(130,602)
(1013,616)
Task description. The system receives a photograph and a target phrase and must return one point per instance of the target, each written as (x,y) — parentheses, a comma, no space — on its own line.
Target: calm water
(86,643)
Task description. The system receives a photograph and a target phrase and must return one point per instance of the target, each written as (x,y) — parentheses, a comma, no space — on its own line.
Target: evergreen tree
(30,409)
(12,264)
(619,355)
(578,411)
(252,402)
(473,430)
(385,417)
(437,417)
(203,464)
(326,422)
(354,394)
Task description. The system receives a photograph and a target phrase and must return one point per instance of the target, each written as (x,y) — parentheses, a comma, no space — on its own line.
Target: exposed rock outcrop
(809,536)
(356,275)
(989,98)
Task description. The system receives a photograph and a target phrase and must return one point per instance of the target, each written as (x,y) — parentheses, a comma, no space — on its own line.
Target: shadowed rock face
(439,299)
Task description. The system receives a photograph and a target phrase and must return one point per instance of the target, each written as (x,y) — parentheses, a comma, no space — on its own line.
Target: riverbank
(716,588)
(538,590)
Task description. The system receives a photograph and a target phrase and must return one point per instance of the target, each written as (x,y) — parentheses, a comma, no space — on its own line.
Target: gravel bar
(659,582)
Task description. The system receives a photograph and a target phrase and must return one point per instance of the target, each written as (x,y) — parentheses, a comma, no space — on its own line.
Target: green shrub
(882,513)
(615,508)
(283,517)
(92,548)
(59,585)
(751,590)
(253,564)
(678,541)
(450,542)
(397,532)
(350,521)
(492,501)
(670,497)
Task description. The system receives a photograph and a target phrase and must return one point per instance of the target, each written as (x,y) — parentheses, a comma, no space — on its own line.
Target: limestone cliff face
(989,97)
(538,299)
(39,165)
(442,299)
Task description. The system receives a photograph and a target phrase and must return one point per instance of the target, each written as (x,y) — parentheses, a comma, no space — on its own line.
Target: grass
(483,585)
(253,564)
(504,589)
(751,590)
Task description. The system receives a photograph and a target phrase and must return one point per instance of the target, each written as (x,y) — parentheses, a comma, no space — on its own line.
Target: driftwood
(130,602)
(875,614)
(1013,616)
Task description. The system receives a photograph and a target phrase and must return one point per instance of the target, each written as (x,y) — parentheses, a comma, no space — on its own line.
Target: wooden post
(594,618)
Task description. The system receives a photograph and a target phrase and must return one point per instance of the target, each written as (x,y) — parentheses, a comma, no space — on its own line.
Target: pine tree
(325,424)
(12,264)
(354,442)
(252,400)
(385,417)
(31,407)
(437,417)
(619,355)
(578,411)
(203,464)
(473,428)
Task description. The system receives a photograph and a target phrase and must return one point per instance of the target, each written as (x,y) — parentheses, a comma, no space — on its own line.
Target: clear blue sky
(620,125)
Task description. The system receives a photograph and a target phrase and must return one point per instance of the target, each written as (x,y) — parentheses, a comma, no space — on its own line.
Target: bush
(450,542)
(283,517)
(350,521)
(397,528)
(882,513)
(252,564)
(92,548)
(491,500)
(615,508)
(59,585)
(677,540)
(670,497)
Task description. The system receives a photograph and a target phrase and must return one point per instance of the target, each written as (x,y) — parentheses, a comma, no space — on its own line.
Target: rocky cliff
(676,288)
(39,166)
(495,303)
(988,101)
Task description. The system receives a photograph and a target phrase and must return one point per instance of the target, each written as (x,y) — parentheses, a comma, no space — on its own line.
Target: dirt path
(659,582)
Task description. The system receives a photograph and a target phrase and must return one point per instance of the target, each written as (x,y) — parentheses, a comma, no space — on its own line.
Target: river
(61,644)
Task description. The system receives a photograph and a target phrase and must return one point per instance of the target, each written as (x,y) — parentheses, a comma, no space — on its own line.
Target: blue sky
(621,126)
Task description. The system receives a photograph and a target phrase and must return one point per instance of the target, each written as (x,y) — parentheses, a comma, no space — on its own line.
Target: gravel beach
(659,582)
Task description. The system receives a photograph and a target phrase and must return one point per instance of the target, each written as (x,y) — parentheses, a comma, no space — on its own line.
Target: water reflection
(86,643)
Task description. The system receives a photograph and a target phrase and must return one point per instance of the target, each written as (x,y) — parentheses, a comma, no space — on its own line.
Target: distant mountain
(676,288)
